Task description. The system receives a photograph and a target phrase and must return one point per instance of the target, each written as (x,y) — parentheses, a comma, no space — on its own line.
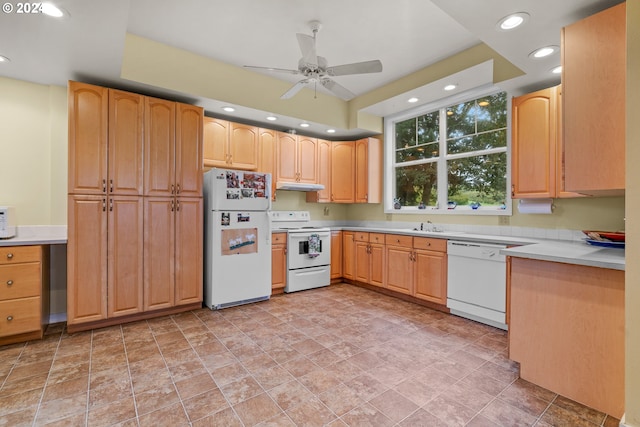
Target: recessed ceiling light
(412,100)
(304,125)
(272,118)
(52,10)
(543,52)
(331,131)
(450,87)
(557,70)
(229,109)
(512,21)
(4,59)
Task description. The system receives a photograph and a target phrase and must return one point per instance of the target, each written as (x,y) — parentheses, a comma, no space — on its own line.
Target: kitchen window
(449,158)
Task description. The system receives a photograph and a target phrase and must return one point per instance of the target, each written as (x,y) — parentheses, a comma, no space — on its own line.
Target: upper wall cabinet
(324,173)
(230,145)
(593,80)
(188,150)
(343,172)
(297,158)
(105,140)
(267,140)
(368,170)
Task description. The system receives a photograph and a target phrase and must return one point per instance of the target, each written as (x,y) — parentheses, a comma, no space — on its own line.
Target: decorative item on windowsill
(422,206)
(451,205)
(475,205)
(396,203)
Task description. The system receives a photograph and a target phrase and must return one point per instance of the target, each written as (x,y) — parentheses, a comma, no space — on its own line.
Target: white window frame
(389,158)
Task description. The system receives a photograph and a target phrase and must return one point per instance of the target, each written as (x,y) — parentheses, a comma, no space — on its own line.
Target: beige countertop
(37,235)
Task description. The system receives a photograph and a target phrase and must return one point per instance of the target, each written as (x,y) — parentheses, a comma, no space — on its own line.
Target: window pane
(492,112)
(429,127)
(406,133)
(415,184)
(425,151)
(461,119)
(481,179)
(483,141)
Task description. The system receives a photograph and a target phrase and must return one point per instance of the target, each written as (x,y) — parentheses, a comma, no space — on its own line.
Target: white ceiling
(406,35)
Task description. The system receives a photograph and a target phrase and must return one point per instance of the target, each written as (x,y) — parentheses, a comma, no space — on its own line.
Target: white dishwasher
(477,282)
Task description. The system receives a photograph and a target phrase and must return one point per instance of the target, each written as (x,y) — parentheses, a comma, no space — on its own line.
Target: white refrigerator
(237,248)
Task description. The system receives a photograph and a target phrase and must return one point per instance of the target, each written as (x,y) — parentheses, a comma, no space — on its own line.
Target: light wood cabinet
(267,140)
(24,293)
(594,92)
(278,262)
(562,314)
(369,258)
(324,173)
(343,172)
(336,254)
(368,170)
(297,158)
(230,145)
(399,254)
(348,255)
(145,222)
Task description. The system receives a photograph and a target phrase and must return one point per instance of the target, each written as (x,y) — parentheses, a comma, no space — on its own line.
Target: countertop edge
(27,235)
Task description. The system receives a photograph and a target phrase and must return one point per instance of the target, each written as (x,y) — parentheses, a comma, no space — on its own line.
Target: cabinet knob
(9,318)
(9,282)
(9,255)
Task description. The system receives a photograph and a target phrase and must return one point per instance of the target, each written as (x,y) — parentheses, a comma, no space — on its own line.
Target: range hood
(298,186)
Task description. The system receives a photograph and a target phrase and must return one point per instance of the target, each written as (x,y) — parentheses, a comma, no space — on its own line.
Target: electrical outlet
(326,211)
(503,220)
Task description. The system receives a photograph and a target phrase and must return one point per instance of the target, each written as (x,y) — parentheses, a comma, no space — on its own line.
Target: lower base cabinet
(278,262)
(24,293)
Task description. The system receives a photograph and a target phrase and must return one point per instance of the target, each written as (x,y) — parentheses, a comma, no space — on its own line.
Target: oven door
(298,249)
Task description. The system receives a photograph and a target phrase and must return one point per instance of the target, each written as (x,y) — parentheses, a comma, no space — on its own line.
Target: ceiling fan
(315,70)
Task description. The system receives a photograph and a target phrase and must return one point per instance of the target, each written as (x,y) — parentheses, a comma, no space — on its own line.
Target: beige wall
(632,273)
(33,147)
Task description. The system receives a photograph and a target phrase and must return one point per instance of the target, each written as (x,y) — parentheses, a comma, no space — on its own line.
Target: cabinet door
(278,266)
(594,92)
(125,255)
(88,128)
(189,241)
(159,147)
(336,254)
(267,140)
(216,142)
(363,262)
(399,262)
(243,146)
(324,173)
(188,151)
(159,252)
(348,255)
(307,159)
(343,172)
(287,157)
(87,259)
(534,144)
(430,273)
(362,171)
(126,118)
(376,260)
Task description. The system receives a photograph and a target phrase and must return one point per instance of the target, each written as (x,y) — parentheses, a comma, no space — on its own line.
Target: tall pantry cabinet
(119,159)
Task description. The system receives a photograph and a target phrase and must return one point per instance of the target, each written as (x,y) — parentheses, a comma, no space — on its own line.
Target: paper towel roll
(535,206)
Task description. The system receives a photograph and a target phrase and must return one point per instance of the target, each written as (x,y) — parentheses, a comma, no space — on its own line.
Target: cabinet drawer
(19,281)
(376,238)
(279,238)
(360,236)
(19,316)
(439,245)
(18,254)
(399,240)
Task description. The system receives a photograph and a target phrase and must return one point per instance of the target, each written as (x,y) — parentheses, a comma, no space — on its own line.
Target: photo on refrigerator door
(239,241)
(225,218)
(234,179)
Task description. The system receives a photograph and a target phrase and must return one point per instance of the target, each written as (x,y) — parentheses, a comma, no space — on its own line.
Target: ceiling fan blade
(308,49)
(278,70)
(340,91)
(374,66)
(295,89)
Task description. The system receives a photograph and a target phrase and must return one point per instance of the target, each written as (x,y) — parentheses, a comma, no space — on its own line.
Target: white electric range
(308,250)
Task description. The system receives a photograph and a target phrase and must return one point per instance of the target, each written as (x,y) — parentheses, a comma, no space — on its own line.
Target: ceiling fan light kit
(315,68)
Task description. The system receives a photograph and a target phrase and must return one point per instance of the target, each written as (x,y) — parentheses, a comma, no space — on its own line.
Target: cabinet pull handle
(9,318)
(9,255)
(513,190)
(172,202)
(9,282)
(177,205)
(110,205)
(285,251)
(104,205)
(111,185)
(104,185)
(178,189)
(173,189)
